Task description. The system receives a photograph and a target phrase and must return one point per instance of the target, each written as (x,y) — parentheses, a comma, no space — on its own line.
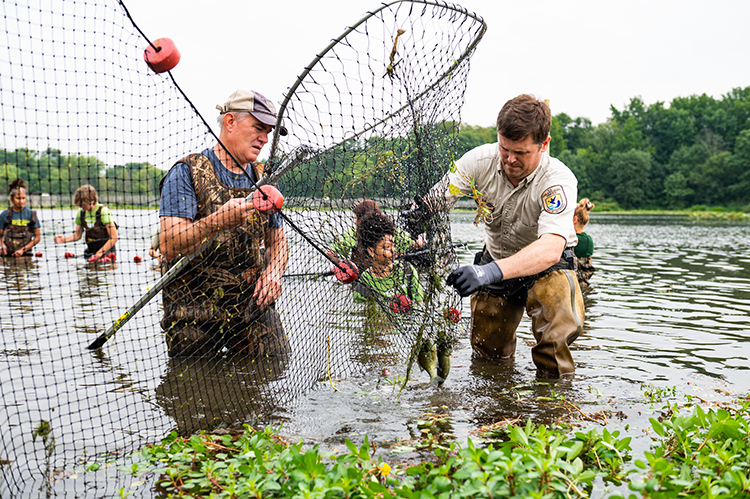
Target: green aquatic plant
(484,211)
(702,454)
(718,216)
(705,454)
(654,394)
(44,431)
(530,461)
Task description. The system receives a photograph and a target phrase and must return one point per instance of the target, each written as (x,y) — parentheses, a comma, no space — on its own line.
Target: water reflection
(205,393)
(95,281)
(20,285)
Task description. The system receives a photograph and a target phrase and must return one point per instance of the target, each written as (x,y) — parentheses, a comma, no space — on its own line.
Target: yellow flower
(385,469)
(454,190)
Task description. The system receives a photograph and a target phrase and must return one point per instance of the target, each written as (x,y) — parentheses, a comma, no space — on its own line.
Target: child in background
(585,247)
(154,251)
(19,227)
(396,283)
(96,221)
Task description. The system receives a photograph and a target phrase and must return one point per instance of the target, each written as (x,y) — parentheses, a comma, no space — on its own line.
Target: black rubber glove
(416,220)
(467,279)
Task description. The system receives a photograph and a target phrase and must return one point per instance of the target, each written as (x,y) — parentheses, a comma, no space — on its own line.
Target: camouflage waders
(210,305)
(585,270)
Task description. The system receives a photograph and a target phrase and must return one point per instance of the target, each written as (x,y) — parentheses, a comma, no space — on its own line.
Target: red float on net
(162,55)
(400,303)
(452,314)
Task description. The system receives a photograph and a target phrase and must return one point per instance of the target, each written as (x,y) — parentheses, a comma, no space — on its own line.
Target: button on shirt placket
(507,241)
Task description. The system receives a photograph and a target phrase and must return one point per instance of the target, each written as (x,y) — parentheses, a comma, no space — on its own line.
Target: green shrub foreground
(703,453)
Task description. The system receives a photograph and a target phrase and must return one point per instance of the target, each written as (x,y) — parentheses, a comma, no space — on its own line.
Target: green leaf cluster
(530,461)
(705,454)
(693,150)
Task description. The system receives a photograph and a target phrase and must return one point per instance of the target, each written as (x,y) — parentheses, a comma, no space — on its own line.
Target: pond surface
(668,307)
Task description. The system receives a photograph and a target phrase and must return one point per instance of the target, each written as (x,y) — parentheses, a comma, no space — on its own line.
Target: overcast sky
(581,55)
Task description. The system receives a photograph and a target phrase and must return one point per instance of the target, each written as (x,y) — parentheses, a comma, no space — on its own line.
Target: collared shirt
(542,203)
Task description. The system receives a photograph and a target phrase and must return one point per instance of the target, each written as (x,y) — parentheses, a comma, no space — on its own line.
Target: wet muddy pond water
(667,314)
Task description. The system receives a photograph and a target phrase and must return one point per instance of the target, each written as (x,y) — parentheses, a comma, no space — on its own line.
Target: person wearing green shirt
(393,282)
(347,247)
(95,221)
(585,247)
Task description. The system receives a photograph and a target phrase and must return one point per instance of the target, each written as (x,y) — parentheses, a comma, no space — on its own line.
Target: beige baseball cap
(254,103)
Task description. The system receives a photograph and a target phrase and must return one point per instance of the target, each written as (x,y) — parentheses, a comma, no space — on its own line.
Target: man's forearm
(534,258)
(277,251)
(184,238)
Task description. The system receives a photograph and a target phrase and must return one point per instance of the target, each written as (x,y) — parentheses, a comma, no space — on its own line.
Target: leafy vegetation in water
(533,461)
(702,453)
(719,216)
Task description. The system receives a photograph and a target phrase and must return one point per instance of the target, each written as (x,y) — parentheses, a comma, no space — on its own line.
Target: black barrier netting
(91,366)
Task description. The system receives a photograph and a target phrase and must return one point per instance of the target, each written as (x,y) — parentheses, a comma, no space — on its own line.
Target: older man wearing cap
(225,297)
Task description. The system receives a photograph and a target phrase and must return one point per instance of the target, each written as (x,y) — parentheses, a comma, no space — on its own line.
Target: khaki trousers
(555,306)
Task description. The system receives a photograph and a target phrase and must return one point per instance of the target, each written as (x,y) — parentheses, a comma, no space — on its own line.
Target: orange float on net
(162,55)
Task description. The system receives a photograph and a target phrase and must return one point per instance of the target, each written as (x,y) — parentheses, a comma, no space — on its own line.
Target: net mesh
(372,117)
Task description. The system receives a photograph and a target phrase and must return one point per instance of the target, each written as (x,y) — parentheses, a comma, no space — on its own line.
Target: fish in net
(372,119)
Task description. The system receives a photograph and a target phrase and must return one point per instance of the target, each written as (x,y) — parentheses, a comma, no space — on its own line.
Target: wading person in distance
(19,226)
(153,250)
(527,200)
(226,296)
(95,222)
(585,247)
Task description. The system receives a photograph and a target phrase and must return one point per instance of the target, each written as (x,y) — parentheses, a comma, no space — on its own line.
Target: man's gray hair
(238,115)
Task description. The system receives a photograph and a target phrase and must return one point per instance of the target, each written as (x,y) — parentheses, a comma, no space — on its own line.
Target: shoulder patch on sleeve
(553,200)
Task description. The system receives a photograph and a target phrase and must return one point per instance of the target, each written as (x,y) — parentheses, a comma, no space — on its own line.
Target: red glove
(400,303)
(92,259)
(345,271)
(269,204)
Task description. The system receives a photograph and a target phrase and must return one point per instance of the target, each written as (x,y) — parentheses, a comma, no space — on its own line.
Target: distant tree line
(695,151)
(54,173)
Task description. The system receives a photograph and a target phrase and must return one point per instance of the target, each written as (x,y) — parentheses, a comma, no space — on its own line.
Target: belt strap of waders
(516,289)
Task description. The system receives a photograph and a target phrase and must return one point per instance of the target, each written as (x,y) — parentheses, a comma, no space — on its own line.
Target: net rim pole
(464,56)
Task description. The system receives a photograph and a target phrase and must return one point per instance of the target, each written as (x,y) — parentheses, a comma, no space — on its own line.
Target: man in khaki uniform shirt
(527,199)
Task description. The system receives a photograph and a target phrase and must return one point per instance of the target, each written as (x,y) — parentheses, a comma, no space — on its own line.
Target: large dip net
(98,358)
